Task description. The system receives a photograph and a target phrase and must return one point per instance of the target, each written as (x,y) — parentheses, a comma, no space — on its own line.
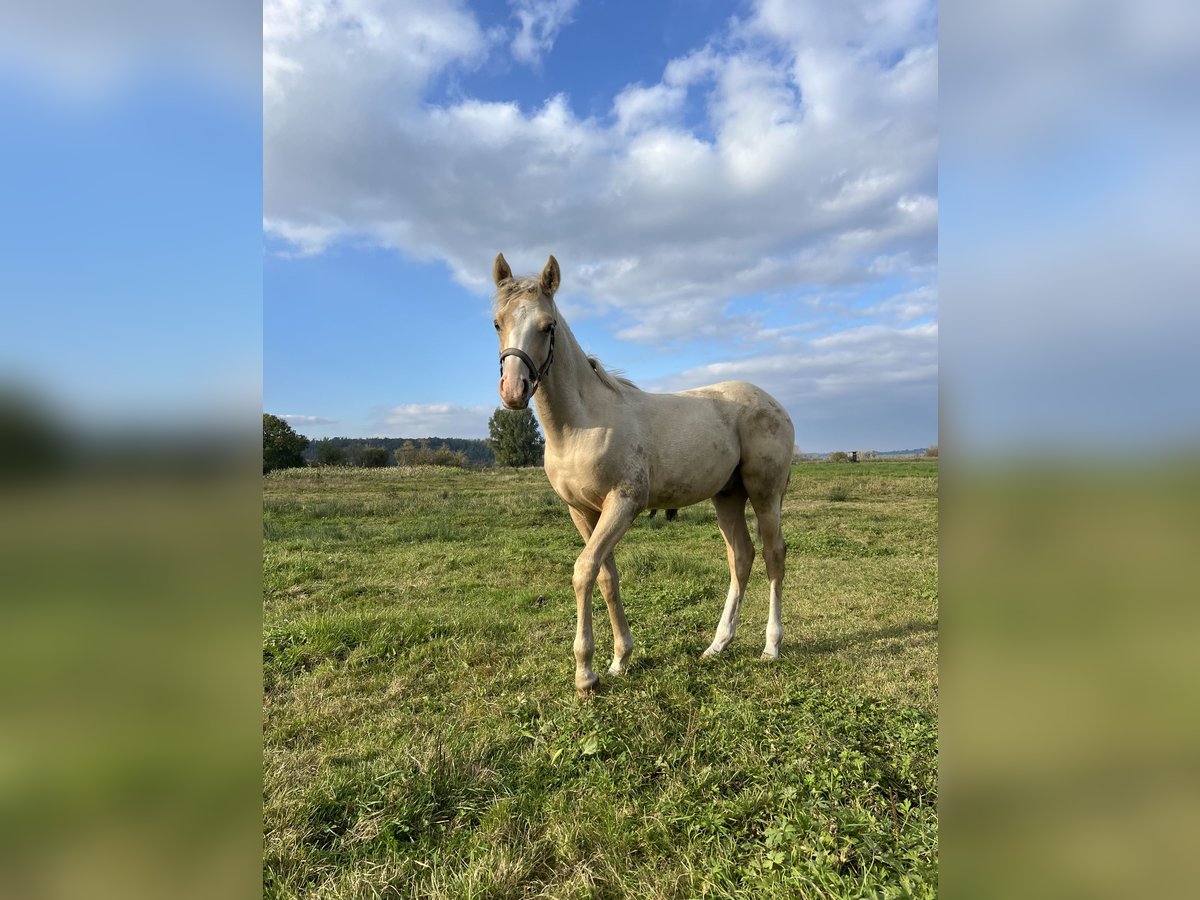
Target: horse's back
(765,431)
(755,413)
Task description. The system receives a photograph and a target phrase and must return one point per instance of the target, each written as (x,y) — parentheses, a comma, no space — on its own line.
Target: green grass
(422,737)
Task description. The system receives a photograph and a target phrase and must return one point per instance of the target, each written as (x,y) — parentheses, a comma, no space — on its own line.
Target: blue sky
(132,251)
(733,190)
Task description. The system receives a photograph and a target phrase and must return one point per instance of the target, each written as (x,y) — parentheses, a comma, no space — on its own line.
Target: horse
(613,450)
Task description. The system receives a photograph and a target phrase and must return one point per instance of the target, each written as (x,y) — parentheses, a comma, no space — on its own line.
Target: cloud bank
(815,159)
(433,420)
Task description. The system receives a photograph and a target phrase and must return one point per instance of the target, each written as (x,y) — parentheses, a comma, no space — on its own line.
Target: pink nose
(514,390)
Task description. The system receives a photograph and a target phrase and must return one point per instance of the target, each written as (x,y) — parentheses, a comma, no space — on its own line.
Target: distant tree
(424,455)
(281,445)
(32,440)
(839,456)
(514,437)
(444,456)
(330,454)
(931,452)
(373,457)
(406,454)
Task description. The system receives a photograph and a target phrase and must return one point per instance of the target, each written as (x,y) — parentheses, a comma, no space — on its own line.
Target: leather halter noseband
(537,373)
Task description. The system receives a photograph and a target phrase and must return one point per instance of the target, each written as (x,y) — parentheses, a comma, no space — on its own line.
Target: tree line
(513,440)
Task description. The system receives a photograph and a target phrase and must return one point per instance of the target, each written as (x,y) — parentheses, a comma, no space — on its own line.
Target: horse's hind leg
(731,518)
(767,511)
(766,485)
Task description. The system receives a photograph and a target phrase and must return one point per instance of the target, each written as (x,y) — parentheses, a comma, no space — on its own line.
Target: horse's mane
(611,380)
(514,288)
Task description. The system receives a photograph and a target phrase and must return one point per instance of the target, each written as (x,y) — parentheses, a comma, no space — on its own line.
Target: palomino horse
(613,450)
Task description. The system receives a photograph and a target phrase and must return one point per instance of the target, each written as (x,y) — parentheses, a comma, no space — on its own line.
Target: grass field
(422,736)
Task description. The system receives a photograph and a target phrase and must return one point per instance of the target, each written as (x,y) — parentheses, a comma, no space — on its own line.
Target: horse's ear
(550,276)
(500,270)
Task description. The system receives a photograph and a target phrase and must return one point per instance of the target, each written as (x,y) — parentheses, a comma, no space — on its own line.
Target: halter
(537,373)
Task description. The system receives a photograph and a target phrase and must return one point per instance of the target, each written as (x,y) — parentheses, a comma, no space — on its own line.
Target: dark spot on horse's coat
(670,485)
(764,421)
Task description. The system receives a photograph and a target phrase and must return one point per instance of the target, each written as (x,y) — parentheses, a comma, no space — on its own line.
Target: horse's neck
(569,390)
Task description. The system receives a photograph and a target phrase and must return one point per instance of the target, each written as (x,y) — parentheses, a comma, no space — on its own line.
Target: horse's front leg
(610,589)
(614,520)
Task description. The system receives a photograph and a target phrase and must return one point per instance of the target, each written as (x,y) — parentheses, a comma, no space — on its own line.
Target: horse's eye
(496,325)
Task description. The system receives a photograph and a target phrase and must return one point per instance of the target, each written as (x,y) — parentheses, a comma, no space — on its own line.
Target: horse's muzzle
(514,392)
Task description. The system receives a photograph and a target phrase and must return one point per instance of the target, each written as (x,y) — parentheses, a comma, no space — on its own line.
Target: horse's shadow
(661,660)
(866,636)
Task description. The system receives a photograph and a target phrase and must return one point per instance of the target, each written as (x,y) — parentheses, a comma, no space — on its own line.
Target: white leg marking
(727,627)
(774,626)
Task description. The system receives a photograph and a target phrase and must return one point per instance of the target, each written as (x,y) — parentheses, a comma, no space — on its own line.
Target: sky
(212,209)
(733,191)
(131,245)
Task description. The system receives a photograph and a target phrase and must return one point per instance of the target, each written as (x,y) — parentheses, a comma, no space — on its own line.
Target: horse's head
(525,323)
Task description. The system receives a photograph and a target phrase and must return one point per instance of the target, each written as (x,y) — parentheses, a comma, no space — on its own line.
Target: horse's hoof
(587,688)
(769,657)
(615,670)
(710,653)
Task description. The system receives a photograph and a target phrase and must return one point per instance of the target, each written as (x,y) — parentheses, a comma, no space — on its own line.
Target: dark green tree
(281,445)
(514,437)
(373,457)
(330,453)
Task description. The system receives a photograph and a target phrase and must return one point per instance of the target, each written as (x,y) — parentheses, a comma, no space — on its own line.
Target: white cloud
(639,107)
(870,387)
(919,303)
(418,420)
(89,50)
(294,419)
(541,21)
(805,368)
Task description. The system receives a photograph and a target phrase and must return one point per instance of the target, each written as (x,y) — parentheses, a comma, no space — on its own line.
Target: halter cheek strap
(537,372)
